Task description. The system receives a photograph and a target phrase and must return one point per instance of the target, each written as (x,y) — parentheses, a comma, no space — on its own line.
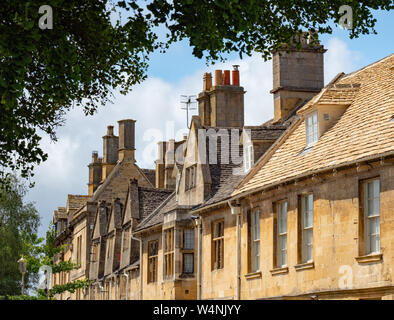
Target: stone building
(107,187)
(300,207)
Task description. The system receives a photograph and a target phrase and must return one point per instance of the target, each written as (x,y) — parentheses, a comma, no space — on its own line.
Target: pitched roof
(60,213)
(116,184)
(75,201)
(264,133)
(149,199)
(151,175)
(364,130)
(156,217)
(226,177)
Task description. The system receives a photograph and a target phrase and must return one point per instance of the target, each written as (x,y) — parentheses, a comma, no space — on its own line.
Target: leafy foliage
(44,253)
(24,297)
(89,52)
(70,287)
(19,222)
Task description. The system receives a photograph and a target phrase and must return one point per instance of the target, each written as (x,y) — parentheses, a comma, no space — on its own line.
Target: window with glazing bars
(153,249)
(188,239)
(281,234)
(169,252)
(372,215)
(307,227)
(311,129)
(188,251)
(79,249)
(217,244)
(254,240)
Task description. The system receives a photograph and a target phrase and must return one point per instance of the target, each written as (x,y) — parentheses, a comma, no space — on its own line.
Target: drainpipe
(127,284)
(140,286)
(197,221)
(236,210)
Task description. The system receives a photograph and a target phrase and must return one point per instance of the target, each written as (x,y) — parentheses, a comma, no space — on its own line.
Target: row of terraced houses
(300,207)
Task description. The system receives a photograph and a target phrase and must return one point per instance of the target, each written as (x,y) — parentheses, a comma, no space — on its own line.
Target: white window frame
(281,252)
(372,215)
(307,228)
(255,240)
(248,157)
(312,129)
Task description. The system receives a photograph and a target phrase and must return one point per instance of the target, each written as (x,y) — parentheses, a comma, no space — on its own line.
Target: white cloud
(155,104)
(339,58)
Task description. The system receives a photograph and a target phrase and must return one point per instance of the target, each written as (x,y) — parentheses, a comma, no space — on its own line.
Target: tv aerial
(188,104)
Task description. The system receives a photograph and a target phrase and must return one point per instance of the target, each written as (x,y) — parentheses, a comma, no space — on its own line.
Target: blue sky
(179,61)
(155,105)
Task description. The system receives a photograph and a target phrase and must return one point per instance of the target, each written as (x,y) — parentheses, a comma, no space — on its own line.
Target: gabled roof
(60,213)
(116,184)
(362,132)
(75,201)
(142,199)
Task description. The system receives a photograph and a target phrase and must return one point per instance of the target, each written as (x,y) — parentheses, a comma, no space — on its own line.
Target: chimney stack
(218,77)
(226,79)
(94,173)
(126,140)
(223,104)
(207,81)
(162,149)
(235,75)
(169,181)
(110,152)
(298,75)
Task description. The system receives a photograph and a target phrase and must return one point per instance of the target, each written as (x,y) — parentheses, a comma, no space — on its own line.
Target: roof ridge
(351,74)
(154,189)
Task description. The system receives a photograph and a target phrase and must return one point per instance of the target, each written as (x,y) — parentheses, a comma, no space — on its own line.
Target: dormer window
(248,156)
(311,129)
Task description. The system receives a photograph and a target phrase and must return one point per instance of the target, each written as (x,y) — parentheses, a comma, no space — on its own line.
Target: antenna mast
(189,104)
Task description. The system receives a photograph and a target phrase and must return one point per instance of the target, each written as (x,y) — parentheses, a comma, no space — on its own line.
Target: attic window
(311,129)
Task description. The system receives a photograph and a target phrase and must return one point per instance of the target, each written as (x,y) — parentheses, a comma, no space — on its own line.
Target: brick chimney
(95,169)
(110,152)
(298,75)
(222,105)
(126,140)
